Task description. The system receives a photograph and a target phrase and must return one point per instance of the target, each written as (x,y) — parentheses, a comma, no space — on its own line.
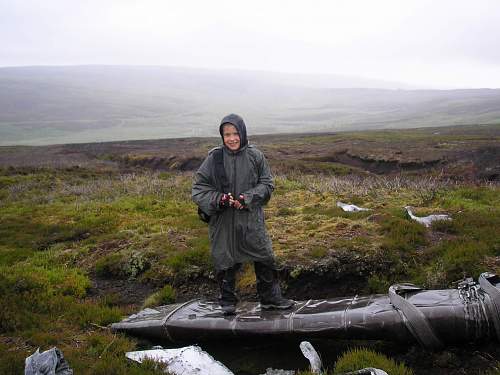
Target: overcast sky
(429,43)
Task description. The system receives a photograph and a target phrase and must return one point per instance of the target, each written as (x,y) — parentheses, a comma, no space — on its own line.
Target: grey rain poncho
(236,236)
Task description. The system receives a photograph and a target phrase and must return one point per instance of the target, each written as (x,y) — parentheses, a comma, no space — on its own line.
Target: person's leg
(227,287)
(268,287)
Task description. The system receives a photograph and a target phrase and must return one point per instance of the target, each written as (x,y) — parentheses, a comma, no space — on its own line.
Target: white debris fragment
(367,371)
(49,362)
(312,355)
(190,360)
(426,220)
(351,207)
(271,371)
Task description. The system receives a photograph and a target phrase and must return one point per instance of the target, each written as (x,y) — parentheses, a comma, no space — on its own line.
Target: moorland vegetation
(86,242)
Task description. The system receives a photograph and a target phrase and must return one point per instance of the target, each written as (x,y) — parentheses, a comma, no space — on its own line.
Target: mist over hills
(47,105)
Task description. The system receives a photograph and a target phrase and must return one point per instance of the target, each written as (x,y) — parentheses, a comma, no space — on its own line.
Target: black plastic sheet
(431,318)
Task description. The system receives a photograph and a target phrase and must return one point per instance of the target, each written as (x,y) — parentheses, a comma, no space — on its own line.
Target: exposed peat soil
(461,152)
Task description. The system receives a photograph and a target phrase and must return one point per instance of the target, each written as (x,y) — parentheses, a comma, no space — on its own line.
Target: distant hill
(47,105)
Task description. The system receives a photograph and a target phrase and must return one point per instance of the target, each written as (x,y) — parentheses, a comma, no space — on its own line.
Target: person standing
(231,187)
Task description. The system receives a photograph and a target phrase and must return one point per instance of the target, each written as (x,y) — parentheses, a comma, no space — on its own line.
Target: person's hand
(225,200)
(239,204)
(231,200)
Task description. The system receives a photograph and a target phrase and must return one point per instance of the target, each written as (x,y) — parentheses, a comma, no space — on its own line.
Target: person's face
(231,137)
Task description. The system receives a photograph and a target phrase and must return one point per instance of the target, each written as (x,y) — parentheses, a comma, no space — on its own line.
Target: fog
(420,44)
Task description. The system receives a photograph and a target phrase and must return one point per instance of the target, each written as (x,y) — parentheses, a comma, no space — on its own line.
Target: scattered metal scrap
(190,360)
(312,355)
(351,207)
(367,371)
(49,362)
(427,220)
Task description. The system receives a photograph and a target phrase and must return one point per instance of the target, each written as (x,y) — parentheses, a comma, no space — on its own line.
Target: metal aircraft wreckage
(431,318)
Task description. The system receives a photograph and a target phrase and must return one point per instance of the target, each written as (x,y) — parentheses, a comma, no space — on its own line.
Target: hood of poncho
(240,126)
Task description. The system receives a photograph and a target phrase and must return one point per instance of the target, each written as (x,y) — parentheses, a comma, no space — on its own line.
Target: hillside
(53,105)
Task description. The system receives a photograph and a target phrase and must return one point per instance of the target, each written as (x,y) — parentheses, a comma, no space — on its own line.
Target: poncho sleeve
(204,192)
(260,194)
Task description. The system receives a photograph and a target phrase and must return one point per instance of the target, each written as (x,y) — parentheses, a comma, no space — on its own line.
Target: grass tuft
(192,260)
(357,359)
(164,296)
(122,265)
(401,234)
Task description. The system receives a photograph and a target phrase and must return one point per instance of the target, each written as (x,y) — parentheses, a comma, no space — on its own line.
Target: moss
(32,293)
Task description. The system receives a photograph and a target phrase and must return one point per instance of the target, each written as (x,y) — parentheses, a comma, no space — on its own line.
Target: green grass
(357,359)
(51,221)
(471,198)
(189,260)
(61,228)
(124,265)
(402,234)
(164,296)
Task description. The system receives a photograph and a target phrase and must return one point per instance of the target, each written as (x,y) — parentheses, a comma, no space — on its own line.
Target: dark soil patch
(122,292)
(469,359)
(113,246)
(342,273)
(199,287)
(310,286)
(390,152)
(378,166)
(486,162)
(435,237)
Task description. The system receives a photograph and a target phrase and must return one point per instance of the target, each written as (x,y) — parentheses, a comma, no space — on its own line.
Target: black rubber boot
(227,285)
(269,289)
